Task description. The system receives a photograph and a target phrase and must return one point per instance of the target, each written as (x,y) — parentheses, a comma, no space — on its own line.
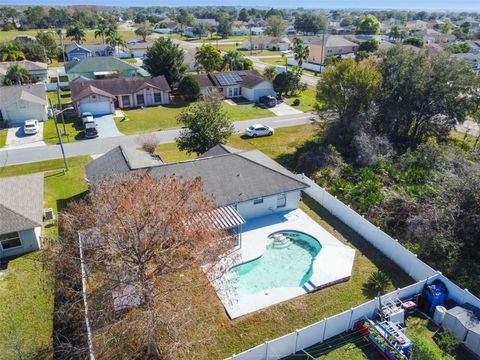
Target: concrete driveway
(17,139)
(106,127)
(284,109)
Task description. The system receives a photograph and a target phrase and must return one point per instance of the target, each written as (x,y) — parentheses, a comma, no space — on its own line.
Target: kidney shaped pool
(287,262)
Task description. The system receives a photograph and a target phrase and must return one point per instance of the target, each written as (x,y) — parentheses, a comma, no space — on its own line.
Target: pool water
(287,262)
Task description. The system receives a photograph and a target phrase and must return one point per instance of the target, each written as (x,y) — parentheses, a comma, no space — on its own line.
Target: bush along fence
(329,327)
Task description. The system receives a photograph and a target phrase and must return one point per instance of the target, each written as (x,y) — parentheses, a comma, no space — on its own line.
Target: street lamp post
(65,160)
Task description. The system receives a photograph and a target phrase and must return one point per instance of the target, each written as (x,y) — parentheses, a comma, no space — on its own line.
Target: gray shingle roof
(82,87)
(219,150)
(334,41)
(26,64)
(90,47)
(97,63)
(21,202)
(229,177)
(32,93)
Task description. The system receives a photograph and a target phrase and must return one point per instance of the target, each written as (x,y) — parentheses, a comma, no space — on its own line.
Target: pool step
(280,241)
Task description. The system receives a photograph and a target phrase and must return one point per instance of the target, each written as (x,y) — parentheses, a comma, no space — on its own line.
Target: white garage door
(97,108)
(17,116)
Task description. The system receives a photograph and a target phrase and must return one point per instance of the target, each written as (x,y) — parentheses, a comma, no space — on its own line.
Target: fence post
(465,292)
(296,341)
(266,350)
(350,321)
(324,329)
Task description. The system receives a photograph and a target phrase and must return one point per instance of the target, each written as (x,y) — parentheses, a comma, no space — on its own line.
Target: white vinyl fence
(339,323)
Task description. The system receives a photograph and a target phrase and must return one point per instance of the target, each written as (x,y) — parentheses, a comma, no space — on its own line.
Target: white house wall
(23,110)
(249,210)
(30,242)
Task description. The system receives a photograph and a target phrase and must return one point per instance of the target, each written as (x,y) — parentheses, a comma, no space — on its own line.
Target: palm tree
(10,52)
(76,33)
(114,39)
(16,75)
(232,59)
(378,281)
(300,51)
(270,72)
(101,31)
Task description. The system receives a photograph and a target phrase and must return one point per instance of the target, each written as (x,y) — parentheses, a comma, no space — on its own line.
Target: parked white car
(259,130)
(30,127)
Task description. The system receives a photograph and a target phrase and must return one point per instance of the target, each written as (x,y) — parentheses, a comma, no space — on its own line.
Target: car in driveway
(30,127)
(259,130)
(87,117)
(91,130)
(268,101)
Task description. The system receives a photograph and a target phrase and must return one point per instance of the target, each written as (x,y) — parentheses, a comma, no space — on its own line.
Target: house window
(258,201)
(10,241)
(281,200)
(140,99)
(229,92)
(157,97)
(240,91)
(235,92)
(126,100)
(329,51)
(353,49)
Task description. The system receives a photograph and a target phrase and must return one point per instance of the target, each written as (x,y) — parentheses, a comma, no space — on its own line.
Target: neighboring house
(139,49)
(243,184)
(248,84)
(37,70)
(102,97)
(435,37)
(99,67)
(332,45)
(23,102)
(77,51)
(267,43)
(209,22)
(256,31)
(189,62)
(416,25)
(239,30)
(257,22)
(475,46)
(25,39)
(21,214)
(432,23)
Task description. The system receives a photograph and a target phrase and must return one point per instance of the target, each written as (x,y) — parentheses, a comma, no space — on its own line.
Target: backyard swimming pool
(286,262)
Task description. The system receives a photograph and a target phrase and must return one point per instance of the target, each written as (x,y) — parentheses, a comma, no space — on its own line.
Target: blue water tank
(436,294)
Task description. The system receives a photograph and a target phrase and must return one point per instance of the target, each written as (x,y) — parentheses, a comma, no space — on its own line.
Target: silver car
(259,130)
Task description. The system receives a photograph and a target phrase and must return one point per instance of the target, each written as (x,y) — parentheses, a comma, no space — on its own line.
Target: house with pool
(281,252)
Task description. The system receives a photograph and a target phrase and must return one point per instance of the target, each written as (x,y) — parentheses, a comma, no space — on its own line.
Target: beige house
(332,45)
(103,96)
(37,70)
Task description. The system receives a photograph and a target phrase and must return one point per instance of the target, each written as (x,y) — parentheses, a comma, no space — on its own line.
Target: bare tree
(148,244)
(149,142)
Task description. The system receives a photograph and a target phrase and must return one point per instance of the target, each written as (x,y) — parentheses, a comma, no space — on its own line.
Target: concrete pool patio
(333,264)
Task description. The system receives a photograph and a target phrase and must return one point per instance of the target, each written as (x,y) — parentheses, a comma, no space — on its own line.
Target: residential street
(100,146)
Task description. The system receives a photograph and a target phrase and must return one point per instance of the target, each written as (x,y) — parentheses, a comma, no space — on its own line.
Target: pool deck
(333,264)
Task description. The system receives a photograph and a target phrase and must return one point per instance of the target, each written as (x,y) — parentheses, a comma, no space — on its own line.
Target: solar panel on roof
(226,79)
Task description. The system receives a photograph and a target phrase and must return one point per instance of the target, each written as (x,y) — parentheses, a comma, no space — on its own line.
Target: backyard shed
(460,319)
(472,341)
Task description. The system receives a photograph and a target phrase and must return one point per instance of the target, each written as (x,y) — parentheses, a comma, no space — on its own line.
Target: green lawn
(3,137)
(26,289)
(228,47)
(157,118)
(65,98)
(307,99)
(73,129)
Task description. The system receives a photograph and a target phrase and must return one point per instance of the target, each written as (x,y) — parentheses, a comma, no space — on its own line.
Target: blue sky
(400,4)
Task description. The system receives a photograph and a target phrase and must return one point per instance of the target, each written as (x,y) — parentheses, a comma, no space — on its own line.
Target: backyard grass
(250,330)
(65,98)
(26,289)
(228,47)
(163,117)
(3,137)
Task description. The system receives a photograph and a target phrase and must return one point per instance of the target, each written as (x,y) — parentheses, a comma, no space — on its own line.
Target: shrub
(296,102)
(378,281)
(149,143)
(422,350)
(189,87)
(447,341)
